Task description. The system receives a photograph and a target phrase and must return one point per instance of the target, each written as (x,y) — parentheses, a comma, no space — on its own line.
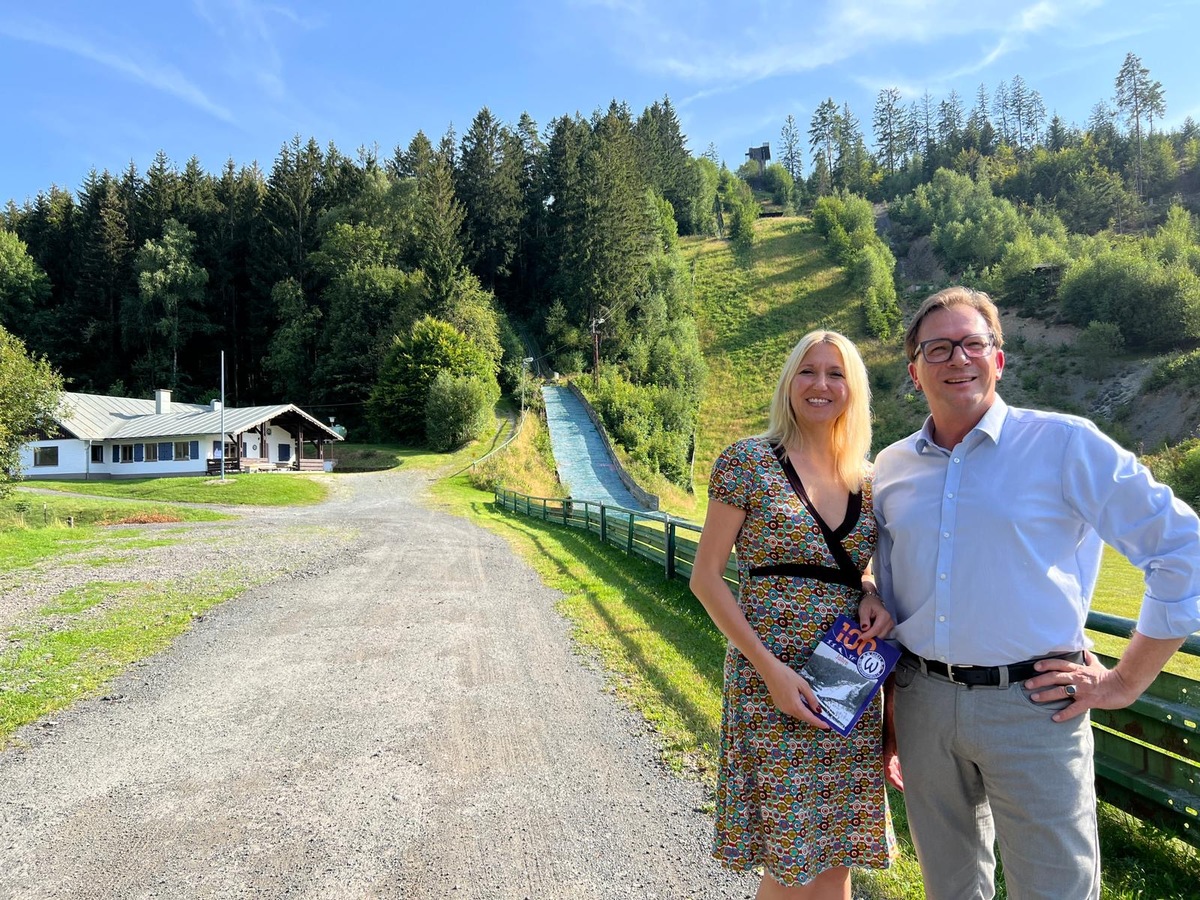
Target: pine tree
(439,222)
(489,186)
(823,139)
(789,139)
(665,162)
(890,138)
(244,312)
(89,323)
(1002,111)
(1138,98)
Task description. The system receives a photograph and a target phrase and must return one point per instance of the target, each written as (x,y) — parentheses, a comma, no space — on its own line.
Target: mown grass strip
(27,509)
(32,526)
(281,489)
(87,636)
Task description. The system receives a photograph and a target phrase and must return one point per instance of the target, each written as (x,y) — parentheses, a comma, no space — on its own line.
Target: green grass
(367,457)
(236,490)
(22,548)
(752,310)
(33,527)
(1119,592)
(24,509)
(72,646)
(379,457)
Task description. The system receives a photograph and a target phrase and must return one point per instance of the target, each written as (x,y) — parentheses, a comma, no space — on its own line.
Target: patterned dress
(793,798)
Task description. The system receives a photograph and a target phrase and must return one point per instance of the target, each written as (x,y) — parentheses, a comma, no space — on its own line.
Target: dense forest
(401,291)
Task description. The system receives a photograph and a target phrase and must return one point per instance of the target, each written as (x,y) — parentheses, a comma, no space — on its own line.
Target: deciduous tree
(29,395)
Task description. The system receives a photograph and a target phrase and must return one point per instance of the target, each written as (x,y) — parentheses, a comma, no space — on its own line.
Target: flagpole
(222,415)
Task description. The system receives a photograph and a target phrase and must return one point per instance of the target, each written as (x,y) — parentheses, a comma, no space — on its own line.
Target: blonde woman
(792,795)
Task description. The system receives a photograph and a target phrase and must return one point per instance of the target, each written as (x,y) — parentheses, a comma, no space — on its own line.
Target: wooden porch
(236,465)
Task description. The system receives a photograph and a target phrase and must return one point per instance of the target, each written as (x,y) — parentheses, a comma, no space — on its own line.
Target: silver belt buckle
(950,667)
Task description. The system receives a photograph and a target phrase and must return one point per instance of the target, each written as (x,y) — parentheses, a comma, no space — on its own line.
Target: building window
(152,453)
(45,456)
(182,451)
(97,453)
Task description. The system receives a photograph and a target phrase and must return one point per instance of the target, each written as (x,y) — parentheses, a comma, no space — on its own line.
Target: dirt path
(404,720)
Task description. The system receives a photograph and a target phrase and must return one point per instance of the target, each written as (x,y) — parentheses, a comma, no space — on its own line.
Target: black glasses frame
(989,344)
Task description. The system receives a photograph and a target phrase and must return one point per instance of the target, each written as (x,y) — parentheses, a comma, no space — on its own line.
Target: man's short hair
(945,299)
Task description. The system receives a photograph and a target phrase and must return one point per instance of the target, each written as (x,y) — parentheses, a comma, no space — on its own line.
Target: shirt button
(941,618)
(956,459)
(951,496)
(945,534)
(942,576)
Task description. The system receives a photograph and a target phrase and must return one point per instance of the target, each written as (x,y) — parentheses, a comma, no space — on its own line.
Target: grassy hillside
(753,309)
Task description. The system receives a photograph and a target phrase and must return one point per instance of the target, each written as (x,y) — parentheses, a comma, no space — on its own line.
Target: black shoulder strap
(849,570)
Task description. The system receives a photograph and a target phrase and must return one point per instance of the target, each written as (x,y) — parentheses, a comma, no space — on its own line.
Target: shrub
(848,225)
(871,277)
(459,409)
(1182,370)
(397,404)
(1098,344)
(653,423)
(1179,468)
(1156,306)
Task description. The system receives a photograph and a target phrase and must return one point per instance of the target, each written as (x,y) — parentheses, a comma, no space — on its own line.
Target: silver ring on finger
(1070,690)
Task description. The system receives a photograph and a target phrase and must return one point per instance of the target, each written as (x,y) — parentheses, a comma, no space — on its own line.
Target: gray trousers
(985,766)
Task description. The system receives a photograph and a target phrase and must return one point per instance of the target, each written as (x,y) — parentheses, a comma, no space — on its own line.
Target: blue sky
(103,84)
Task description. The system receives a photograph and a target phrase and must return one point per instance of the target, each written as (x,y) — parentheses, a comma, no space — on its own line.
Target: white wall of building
(75,459)
(72,457)
(75,456)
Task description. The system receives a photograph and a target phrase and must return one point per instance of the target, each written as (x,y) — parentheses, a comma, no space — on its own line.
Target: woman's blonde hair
(851,431)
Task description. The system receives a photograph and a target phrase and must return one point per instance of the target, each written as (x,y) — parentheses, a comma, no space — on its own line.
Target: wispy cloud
(139,68)
(249,35)
(707,45)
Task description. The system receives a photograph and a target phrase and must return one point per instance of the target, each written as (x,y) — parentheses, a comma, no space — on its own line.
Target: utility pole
(596,323)
(524,382)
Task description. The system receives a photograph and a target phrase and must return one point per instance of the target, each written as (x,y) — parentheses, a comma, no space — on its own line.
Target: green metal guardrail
(1147,755)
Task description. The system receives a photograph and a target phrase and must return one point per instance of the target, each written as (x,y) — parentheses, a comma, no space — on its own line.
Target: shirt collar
(990,425)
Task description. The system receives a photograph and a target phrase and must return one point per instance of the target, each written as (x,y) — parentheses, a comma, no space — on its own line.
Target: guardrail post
(603,525)
(566,510)
(587,517)
(629,537)
(669,548)
(543,509)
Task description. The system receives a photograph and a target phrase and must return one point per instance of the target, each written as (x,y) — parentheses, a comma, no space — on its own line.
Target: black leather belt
(988,676)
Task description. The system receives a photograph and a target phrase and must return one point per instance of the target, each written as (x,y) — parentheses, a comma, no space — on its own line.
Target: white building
(121,437)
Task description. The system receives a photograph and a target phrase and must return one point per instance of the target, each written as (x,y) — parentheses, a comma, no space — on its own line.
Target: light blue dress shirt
(989,552)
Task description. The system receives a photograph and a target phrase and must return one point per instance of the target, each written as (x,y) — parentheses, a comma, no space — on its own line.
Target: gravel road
(396,711)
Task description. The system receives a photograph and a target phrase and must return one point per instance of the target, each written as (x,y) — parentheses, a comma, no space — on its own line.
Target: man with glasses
(991,524)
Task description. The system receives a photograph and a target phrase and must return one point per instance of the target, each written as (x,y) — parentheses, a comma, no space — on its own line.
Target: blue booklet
(846,672)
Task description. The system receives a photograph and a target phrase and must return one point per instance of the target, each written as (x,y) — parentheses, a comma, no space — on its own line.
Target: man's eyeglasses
(939,350)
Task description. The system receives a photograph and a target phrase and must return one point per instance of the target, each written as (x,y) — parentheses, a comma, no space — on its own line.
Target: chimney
(162,401)
(215,405)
